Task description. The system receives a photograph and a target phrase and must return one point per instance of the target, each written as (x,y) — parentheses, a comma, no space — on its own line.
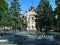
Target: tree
(44,17)
(57,12)
(5,21)
(4,14)
(3,5)
(15,14)
(3,8)
(24,23)
(4,17)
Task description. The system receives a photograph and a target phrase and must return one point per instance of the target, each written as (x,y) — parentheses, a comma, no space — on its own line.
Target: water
(29,39)
(37,41)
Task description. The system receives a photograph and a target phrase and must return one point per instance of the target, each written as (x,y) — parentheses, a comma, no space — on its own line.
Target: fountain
(31,38)
(45,36)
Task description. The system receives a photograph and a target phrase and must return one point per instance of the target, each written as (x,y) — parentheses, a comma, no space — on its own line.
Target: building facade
(30,19)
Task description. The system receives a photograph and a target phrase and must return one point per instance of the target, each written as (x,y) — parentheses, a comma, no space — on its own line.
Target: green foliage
(3,12)
(3,5)
(45,16)
(15,14)
(57,10)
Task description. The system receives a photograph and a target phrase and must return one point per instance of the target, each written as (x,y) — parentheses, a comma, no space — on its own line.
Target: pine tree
(44,17)
(15,14)
(57,12)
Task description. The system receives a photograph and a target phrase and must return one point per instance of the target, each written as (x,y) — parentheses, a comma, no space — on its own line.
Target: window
(28,18)
(32,27)
(32,18)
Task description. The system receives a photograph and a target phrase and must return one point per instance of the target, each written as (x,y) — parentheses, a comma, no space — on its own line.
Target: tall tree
(3,10)
(44,15)
(15,14)
(57,11)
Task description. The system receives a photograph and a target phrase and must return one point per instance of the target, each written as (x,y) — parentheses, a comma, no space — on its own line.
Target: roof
(32,8)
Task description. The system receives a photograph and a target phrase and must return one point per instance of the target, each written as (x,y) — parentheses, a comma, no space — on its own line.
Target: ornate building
(30,19)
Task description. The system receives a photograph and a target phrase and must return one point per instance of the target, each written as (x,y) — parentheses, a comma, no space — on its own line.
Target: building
(30,19)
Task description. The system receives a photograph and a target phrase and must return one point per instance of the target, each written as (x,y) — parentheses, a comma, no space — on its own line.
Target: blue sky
(26,4)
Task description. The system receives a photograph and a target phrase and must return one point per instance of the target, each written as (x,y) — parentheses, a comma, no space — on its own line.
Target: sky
(26,4)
